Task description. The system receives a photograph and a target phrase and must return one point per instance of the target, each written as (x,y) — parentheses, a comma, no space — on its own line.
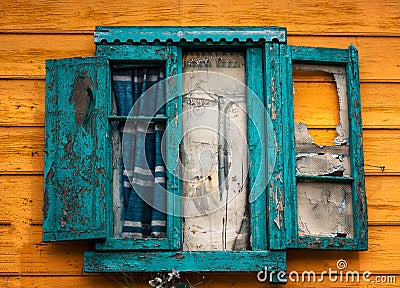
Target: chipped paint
(330,207)
(75,181)
(275,163)
(279,211)
(82,97)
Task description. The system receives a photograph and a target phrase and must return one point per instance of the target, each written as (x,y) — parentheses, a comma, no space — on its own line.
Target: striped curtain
(143,167)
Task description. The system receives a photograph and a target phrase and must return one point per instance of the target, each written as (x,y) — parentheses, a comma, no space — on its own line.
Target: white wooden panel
(214,152)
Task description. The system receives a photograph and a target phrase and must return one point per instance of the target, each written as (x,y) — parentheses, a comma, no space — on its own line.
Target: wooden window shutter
(326,199)
(76,142)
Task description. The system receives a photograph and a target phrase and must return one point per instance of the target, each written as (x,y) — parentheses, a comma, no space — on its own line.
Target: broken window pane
(321,121)
(214,151)
(322,149)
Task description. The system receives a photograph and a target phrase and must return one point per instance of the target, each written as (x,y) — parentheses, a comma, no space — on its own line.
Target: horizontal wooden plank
(114,280)
(316,104)
(23,55)
(24,253)
(136,34)
(343,16)
(383,199)
(10,281)
(380,105)
(207,261)
(21,149)
(21,199)
(85,15)
(22,103)
(381,150)
(23,196)
(215,280)
(382,255)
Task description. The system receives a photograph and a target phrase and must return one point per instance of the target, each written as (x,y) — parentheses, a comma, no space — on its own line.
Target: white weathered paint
(118,199)
(214,112)
(325,209)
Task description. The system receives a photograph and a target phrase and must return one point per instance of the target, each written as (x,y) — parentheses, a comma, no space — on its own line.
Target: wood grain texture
(343,16)
(204,280)
(21,199)
(23,55)
(372,67)
(23,252)
(25,205)
(21,150)
(383,200)
(380,149)
(22,103)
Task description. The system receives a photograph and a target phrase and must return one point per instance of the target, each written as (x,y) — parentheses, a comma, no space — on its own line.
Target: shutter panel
(76,145)
(328,177)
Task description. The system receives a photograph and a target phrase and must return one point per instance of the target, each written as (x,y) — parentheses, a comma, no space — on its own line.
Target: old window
(327,178)
(183,148)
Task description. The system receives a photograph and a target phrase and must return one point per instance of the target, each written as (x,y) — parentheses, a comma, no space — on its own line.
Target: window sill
(205,261)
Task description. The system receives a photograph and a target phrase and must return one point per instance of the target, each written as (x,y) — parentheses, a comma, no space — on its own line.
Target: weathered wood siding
(32,31)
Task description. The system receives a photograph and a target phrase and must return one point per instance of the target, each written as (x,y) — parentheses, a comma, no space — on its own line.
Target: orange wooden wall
(32,31)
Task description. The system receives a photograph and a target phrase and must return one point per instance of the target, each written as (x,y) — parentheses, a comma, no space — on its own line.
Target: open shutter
(76,141)
(326,190)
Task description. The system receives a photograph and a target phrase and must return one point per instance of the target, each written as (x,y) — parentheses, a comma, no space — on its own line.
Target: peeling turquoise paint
(76,148)
(349,59)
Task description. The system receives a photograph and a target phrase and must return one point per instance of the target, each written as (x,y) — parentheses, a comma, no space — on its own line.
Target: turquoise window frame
(123,44)
(273,215)
(347,58)
(168,57)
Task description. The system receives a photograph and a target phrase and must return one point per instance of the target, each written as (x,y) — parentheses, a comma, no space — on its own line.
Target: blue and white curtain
(143,166)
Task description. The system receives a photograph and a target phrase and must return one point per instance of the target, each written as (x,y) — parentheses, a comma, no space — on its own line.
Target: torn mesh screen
(315,160)
(325,209)
(321,121)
